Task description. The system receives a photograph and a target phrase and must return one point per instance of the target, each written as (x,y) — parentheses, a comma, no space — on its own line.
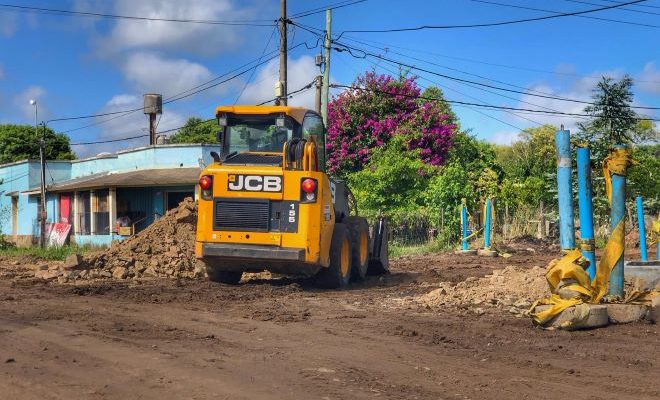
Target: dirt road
(283,339)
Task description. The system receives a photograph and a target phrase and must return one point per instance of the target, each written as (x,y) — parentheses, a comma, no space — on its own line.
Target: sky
(76,66)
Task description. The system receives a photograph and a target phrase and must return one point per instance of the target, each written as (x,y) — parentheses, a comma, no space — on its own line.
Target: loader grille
(241,215)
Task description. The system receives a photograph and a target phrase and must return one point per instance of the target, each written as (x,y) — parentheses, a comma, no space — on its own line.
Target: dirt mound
(527,244)
(513,287)
(166,248)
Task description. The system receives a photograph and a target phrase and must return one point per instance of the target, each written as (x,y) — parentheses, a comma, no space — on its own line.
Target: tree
(613,121)
(378,108)
(20,142)
(533,154)
(197,130)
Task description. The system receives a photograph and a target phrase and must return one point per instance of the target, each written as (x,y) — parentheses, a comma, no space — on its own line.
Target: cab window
(312,127)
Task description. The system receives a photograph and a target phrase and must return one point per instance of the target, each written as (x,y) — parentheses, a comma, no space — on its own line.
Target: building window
(84,213)
(102,213)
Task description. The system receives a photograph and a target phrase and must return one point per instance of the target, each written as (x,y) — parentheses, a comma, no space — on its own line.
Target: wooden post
(92,212)
(112,207)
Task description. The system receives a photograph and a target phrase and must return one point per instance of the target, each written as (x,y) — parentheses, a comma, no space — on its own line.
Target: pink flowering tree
(376,109)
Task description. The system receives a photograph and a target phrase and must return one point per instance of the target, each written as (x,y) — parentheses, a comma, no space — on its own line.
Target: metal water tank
(153,103)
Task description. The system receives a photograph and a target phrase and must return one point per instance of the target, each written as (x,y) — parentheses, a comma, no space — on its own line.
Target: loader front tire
(338,273)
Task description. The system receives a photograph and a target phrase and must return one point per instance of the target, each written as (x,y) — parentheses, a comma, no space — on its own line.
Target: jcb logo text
(254,183)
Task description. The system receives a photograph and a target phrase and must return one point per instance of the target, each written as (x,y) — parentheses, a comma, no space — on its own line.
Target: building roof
(297,113)
(137,178)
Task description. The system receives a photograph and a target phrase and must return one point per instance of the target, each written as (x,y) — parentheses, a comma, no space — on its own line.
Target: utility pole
(43,215)
(319,85)
(326,70)
(282,86)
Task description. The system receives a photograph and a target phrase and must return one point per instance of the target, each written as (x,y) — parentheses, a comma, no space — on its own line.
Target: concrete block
(626,313)
(582,316)
(646,273)
(487,253)
(72,261)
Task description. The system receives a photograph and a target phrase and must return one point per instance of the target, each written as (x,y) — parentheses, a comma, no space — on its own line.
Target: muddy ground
(284,339)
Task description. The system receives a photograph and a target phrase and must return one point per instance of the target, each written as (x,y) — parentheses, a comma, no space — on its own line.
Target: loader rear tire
(358,228)
(338,273)
(226,277)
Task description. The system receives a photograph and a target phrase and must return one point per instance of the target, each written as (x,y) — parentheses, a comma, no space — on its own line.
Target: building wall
(22,176)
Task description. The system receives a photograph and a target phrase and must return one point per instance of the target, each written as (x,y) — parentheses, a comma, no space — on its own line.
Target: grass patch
(397,250)
(49,253)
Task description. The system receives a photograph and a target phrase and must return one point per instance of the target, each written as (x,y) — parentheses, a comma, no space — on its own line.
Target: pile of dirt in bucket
(514,288)
(165,248)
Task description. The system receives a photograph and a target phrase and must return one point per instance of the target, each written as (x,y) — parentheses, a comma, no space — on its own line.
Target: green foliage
(197,130)
(20,142)
(392,182)
(644,177)
(533,154)
(613,121)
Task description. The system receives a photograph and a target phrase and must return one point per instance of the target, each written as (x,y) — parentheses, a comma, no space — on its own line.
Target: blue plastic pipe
(464,218)
(617,214)
(487,224)
(586,208)
(564,190)
(642,229)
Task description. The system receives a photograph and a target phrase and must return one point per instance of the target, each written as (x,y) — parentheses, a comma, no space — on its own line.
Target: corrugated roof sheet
(137,178)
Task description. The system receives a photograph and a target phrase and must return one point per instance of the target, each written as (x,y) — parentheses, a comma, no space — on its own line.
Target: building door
(65,208)
(174,198)
(14,215)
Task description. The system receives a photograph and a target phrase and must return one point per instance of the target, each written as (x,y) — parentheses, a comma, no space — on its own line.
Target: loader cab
(259,139)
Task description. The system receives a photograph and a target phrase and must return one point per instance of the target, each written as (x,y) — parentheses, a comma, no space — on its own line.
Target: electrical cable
(290,95)
(622,8)
(62,12)
(559,12)
(247,82)
(490,24)
(317,10)
(479,104)
(350,50)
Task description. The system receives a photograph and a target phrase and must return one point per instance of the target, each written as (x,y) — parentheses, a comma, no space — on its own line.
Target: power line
(558,12)
(291,94)
(247,82)
(332,6)
(490,24)
(350,50)
(478,104)
(622,8)
(181,95)
(53,11)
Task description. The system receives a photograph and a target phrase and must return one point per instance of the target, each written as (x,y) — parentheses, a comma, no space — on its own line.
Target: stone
(62,279)
(119,273)
(151,271)
(50,274)
(582,316)
(105,274)
(83,274)
(139,266)
(487,253)
(72,261)
(53,267)
(42,267)
(183,214)
(654,314)
(627,313)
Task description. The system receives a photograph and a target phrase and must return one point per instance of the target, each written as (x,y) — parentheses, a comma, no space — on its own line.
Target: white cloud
(204,39)
(153,73)
(117,127)
(8,24)
(504,137)
(301,71)
(22,103)
(649,79)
